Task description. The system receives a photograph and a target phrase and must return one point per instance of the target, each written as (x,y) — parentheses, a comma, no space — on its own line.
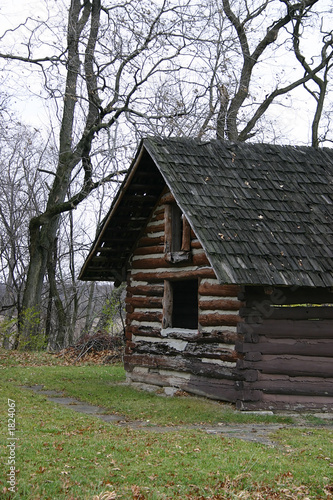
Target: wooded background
(83,81)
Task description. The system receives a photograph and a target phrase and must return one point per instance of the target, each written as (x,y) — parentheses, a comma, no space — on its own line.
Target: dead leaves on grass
(235,488)
(25,358)
(107,495)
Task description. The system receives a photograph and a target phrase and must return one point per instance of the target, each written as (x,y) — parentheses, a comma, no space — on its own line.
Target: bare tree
(248,40)
(21,194)
(25,155)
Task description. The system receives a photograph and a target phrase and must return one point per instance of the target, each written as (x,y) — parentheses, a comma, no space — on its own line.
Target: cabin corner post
(247,369)
(167,305)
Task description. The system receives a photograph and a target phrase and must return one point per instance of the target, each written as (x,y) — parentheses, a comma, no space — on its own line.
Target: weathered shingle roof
(263,213)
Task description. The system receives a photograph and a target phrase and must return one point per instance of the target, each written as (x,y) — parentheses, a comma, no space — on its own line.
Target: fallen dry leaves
(106,495)
(232,489)
(137,495)
(99,348)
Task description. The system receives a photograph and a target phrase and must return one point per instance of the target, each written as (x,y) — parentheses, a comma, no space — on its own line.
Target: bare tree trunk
(73,304)
(61,316)
(48,320)
(319,111)
(89,319)
(31,304)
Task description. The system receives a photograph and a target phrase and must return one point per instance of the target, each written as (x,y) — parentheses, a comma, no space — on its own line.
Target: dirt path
(259,433)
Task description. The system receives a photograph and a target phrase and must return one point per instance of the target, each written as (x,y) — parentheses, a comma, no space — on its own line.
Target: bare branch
(245,133)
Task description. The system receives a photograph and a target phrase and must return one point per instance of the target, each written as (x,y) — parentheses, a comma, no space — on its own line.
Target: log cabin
(227,251)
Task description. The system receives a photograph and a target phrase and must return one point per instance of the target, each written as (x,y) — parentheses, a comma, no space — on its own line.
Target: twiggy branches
(251,58)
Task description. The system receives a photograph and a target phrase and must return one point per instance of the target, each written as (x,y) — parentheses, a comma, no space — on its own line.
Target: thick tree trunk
(61,316)
(29,320)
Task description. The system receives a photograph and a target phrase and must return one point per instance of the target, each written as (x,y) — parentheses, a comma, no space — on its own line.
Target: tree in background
(121,70)
(316,82)
(253,68)
(21,195)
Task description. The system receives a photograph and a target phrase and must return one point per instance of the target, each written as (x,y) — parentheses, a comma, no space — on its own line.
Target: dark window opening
(177,228)
(185,304)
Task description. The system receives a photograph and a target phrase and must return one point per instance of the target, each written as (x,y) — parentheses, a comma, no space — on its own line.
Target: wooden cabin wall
(199,361)
(287,350)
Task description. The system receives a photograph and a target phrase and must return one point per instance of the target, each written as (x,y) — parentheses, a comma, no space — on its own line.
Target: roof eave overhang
(114,275)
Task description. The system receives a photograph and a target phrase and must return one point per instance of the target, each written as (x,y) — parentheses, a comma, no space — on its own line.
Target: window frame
(168,304)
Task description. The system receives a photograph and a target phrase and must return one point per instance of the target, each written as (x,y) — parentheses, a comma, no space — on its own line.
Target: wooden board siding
(200,361)
(288,349)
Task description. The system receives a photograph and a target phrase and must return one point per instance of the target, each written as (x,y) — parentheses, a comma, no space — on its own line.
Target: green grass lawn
(60,454)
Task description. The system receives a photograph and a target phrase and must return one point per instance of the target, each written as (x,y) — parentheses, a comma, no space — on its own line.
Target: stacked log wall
(199,361)
(287,350)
